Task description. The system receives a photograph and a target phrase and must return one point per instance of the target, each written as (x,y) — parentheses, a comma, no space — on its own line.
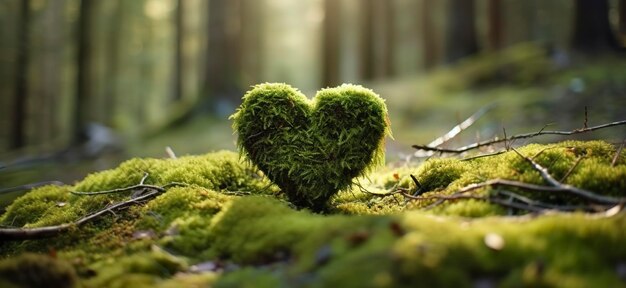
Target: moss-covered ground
(230,227)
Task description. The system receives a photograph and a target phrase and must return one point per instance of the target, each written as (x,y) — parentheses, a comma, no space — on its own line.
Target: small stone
(323,255)
(494,241)
(144,234)
(620,269)
(208,266)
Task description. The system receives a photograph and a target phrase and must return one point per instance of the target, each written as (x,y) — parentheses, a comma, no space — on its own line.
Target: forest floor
(213,220)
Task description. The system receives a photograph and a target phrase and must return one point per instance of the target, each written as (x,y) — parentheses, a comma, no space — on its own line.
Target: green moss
(594,173)
(139,270)
(29,208)
(365,240)
(191,236)
(414,248)
(222,171)
(439,173)
(312,149)
(34,270)
(219,171)
(181,202)
(249,278)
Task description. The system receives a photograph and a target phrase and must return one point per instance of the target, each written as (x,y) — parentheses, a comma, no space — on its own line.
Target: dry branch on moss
(455,131)
(523,203)
(148,192)
(515,137)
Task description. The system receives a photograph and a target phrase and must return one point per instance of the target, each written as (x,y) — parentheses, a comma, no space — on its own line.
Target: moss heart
(312,148)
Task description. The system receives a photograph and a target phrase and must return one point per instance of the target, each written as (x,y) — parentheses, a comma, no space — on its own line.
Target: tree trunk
(18,129)
(494,26)
(179,25)
(51,67)
(331,42)
(428,35)
(376,39)
(366,52)
(223,49)
(622,18)
(84,63)
(383,42)
(460,30)
(253,19)
(592,30)
(113,58)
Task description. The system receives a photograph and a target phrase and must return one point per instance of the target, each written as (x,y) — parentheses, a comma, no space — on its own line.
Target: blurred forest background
(80,79)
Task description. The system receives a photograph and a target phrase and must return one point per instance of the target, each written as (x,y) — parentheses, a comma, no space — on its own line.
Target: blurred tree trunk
(223,49)
(84,64)
(18,129)
(366,52)
(494,26)
(592,30)
(51,66)
(331,42)
(622,19)
(384,41)
(428,34)
(460,30)
(252,36)
(377,39)
(179,25)
(117,22)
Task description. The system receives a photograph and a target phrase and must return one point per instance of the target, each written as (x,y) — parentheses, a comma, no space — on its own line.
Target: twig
(170,152)
(543,171)
(566,189)
(138,186)
(571,169)
(30,186)
(458,128)
(143,179)
(585,123)
(50,231)
(506,144)
(418,186)
(495,200)
(484,155)
(462,126)
(571,189)
(543,205)
(617,153)
(515,137)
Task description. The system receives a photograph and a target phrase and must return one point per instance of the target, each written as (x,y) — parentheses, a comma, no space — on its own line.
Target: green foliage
(312,149)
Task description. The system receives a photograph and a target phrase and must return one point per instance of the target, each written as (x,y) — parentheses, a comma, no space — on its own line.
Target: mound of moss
(228,227)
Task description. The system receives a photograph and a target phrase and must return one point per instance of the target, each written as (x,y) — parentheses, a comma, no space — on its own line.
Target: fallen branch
(617,153)
(515,137)
(457,129)
(50,231)
(563,189)
(129,188)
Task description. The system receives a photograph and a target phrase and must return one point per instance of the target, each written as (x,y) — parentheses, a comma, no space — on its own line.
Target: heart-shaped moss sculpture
(312,148)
